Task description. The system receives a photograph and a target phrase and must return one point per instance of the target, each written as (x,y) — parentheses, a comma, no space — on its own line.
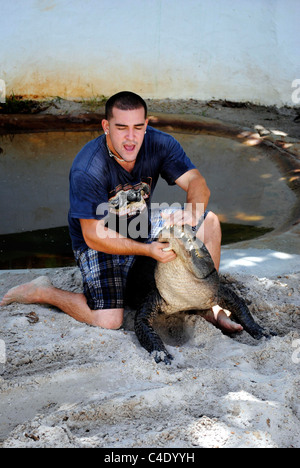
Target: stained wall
(242,50)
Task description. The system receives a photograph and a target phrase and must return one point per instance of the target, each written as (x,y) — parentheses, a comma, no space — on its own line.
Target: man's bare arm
(194,184)
(102,239)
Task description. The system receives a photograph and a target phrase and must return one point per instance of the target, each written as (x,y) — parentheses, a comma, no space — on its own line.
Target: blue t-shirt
(101,188)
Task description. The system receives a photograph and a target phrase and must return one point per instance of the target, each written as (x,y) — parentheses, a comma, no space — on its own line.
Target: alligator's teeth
(167,249)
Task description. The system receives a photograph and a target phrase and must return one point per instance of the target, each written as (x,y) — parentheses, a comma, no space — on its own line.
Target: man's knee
(212,226)
(114,323)
(210,230)
(112,319)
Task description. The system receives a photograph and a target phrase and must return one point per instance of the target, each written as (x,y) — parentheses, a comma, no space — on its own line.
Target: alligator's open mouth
(190,249)
(182,239)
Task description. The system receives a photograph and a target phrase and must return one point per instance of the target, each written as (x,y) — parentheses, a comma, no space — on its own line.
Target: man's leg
(210,233)
(41,291)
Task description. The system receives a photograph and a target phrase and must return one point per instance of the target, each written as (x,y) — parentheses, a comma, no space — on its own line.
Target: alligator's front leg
(145,333)
(239,309)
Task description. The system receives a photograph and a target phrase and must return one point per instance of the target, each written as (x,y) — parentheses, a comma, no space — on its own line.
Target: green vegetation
(95,102)
(19,105)
(16,104)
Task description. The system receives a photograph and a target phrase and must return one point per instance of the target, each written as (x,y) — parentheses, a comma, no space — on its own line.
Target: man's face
(125,132)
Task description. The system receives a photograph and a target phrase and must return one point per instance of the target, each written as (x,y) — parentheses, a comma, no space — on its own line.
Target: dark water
(51,248)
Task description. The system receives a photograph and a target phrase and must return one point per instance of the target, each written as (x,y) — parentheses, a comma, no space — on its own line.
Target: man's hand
(102,239)
(158,253)
(179,217)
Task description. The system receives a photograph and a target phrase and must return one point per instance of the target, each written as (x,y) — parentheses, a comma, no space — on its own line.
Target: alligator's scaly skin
(189,282)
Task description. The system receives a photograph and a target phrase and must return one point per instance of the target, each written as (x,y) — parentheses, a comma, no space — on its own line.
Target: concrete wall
(242,50)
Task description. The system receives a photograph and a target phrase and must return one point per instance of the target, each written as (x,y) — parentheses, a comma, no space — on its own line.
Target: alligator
(188,283)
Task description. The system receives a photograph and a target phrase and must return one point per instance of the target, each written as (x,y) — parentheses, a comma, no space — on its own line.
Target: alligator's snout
(181,239)
(189,249)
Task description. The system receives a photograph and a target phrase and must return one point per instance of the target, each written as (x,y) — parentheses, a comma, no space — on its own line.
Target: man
(112,179)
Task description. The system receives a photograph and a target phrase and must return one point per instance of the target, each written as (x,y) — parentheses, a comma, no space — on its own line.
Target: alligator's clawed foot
(258,333)
(162,356)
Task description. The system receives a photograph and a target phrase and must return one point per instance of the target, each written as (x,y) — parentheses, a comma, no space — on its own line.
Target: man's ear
(105,125)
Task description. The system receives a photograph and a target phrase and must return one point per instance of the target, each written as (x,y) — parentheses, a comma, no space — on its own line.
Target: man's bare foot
(28,293)
(221,319)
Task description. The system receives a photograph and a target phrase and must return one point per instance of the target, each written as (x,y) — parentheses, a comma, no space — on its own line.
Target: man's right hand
(157,252)
(99,238)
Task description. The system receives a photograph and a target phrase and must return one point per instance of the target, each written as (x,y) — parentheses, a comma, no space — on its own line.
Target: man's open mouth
(129,148)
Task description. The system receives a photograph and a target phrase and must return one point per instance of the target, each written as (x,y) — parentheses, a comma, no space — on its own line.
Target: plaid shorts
(104,278)
(104,275)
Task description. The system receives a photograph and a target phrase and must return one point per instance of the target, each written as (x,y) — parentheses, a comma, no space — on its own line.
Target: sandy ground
(66,384)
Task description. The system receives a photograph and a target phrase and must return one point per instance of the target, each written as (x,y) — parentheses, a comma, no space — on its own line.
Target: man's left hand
(179,217)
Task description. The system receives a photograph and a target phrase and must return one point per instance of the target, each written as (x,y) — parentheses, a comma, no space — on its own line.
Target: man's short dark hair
(125,100)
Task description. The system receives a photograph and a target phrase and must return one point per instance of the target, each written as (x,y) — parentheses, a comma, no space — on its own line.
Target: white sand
(66,384)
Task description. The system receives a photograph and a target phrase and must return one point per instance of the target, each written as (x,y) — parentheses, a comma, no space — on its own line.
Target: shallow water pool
(248,192)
